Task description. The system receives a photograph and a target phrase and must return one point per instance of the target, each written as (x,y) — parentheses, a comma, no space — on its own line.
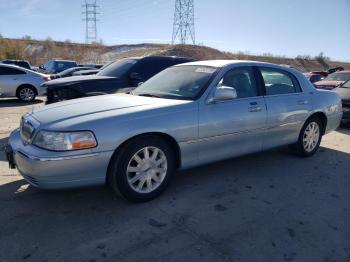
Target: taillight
(46,78)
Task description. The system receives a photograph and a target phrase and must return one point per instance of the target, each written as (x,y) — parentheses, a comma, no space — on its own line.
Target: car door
(287,106)
(10,78)
(232,127)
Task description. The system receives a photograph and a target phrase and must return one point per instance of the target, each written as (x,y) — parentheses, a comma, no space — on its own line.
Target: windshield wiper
(150,95)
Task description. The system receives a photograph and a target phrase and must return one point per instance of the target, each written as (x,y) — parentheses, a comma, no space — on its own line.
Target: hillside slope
(38,52)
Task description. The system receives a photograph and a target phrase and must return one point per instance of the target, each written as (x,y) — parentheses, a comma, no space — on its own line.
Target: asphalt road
(270,206)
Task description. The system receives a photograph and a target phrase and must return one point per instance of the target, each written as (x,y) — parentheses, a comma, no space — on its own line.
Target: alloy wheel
(147,169)
(26,94)
(311,136)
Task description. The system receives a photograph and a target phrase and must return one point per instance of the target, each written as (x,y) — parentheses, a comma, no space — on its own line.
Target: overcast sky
(280,27)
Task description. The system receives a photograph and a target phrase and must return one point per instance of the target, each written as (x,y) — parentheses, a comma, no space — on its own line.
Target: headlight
(65,141)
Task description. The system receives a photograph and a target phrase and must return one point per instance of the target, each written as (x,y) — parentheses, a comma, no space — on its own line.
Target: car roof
(163,58)
(223,63)
(63,60)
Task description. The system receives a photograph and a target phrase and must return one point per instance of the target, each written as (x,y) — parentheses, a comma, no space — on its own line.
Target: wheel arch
(168,138)
(322,116)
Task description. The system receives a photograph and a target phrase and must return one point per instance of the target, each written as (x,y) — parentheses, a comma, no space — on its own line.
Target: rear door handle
(303,102)
(255,109)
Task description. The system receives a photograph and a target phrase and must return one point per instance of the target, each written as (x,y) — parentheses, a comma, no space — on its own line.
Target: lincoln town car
(188,115)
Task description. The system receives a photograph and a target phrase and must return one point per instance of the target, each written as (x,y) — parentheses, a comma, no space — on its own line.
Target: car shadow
(213,203)
(17,102)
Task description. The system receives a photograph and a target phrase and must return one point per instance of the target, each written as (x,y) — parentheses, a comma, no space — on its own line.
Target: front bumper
(57,170)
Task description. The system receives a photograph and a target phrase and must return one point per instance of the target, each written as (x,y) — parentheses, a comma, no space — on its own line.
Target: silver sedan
(21,83)
(187,115)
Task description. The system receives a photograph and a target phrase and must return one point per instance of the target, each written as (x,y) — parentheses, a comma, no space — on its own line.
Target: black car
(335,69)
(20,63)
(55,66)
(86,72)
(121,74)
(70,71)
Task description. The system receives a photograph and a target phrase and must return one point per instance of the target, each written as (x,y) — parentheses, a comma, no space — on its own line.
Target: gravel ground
(270,206)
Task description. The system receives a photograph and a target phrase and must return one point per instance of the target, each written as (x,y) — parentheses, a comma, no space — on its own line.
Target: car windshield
(340,76)
(118,68)
(346,85)
(179,82)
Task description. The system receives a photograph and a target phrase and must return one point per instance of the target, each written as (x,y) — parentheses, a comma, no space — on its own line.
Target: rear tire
(26,93)
(309,138)
(142,169)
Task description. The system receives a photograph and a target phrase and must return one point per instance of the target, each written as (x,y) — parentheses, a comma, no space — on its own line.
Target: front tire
(309,138)
(142,168)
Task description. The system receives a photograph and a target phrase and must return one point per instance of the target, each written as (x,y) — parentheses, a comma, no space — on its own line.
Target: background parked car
(333,80)
(323,73)
(344,93)
(97,66)
(314,77)
(86,72)
(70,71)
(56,66)
(20,82)
(20,63)
(125,73)
(335,69)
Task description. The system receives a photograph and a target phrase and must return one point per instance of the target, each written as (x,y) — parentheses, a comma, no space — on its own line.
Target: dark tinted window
(316,78)
(242,79)
(279,82)
(10,71)
(118,68)
(63,65)
(148,68)
(23,64)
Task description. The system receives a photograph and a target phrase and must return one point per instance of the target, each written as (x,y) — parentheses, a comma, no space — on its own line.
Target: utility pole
(183,26)
(90,18)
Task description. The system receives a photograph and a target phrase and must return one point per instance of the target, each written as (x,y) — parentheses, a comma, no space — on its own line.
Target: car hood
(77,79)
(328,83)
(98,106)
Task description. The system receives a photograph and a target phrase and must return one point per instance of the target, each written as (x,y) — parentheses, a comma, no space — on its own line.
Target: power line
(90,13)
(183,26)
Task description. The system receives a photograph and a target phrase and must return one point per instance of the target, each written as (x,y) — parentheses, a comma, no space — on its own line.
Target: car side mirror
(41,67)
(223,93)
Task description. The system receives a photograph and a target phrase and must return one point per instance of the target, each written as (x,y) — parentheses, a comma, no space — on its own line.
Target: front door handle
(255,109)
(303,102)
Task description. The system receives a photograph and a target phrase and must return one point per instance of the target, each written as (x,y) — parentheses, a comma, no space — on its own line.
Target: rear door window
(279,82)
(11,71)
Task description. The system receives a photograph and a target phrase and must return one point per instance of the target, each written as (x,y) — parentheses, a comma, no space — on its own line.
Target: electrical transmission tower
(90,18)
(183,27)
